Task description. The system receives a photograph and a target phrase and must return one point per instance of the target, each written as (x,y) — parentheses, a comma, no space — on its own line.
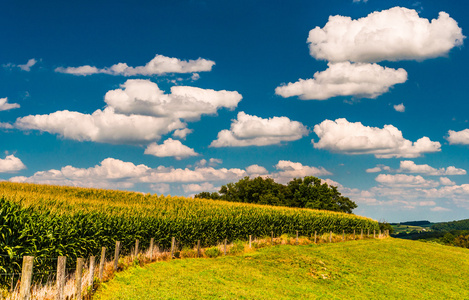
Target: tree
(308,192)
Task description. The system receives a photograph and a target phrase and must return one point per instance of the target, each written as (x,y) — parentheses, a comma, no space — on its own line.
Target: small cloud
(458,137)
(248,130)
(439,208)
(182,133)
(446,181)
(11,164)
(161,188)
(27,67)
(4,105)
(399,107)
(170,148)
(256,170)
(373,170)
(157,66)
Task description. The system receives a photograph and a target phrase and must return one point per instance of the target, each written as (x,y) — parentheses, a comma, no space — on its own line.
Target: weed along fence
(80,281)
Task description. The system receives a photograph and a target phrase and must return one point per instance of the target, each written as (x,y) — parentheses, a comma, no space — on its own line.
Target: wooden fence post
(78,275)
(116,254)
(354,234)
(92,262)
(12,285)
(368,233)
(224,248)
(61,263)
(272,238)
(297,242)
(250,238)
(173,242)
(26,277)
(374,233)
(315,236)
(330,237)
(136,247)
(152,240)
(198,248)
(379,235)
(101,263)
(343,235)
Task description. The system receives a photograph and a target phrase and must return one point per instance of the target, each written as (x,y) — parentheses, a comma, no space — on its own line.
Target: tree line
(307,192)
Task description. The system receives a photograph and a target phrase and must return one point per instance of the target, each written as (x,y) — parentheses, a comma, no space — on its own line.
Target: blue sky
(178,97)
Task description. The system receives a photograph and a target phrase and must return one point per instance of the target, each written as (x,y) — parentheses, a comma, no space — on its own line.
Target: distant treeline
(413,223)
(455,233)
(307,192)
(454,225)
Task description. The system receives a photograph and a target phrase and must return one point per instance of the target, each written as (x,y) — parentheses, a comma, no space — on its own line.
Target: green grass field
(366,269)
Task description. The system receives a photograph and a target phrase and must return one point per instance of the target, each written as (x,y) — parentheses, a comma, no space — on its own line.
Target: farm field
(50,221)
(367,269)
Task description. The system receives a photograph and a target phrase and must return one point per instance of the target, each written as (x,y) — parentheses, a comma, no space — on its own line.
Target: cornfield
(50,221)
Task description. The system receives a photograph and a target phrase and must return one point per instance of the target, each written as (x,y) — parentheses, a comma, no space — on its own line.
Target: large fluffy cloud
(458,137)
(249,130)
(355,138)
(139,112)
(102,126)
(11,163)
(145,98)
(157,66)
(345,79)
(4,105)
(394,34)
(170,148)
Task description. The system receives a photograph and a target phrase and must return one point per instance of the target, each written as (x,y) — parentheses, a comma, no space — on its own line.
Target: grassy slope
(368,269)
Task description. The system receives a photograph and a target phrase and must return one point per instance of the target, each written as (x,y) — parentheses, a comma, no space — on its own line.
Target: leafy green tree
(310,193)
(307,192)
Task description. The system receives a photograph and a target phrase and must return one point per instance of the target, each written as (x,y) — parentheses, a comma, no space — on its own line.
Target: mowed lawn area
(367,269)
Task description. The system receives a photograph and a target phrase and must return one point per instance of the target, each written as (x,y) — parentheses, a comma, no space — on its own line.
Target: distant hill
(454,225)
(414,223)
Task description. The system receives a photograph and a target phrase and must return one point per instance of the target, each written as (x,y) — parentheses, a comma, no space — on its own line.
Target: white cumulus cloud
(289,170)
(103,126)
(4,105)
(355,138)
(402,180)
(256,170)
(248,130)
(115,173)
(157,66)
(399,107)
(408,166)
(144,97)
(345,79)
(170,148)
(446,181)
(458,137)
(394,34)
(10,164)
(197,188)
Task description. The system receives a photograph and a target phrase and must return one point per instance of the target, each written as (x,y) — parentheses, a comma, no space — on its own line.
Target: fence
(25,278)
